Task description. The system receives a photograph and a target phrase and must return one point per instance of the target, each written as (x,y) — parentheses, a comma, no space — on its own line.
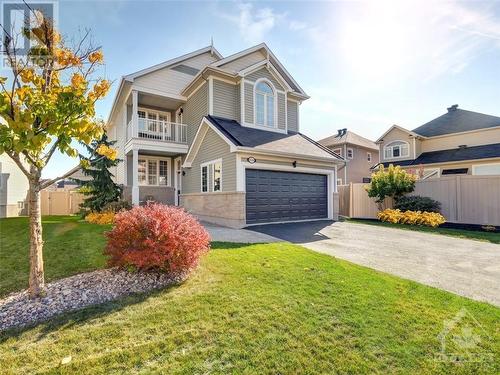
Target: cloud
(254,23)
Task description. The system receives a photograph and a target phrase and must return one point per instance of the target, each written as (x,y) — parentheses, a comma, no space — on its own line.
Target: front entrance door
(177,179)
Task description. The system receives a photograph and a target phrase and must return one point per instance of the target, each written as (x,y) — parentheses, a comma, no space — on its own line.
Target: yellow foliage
(78,81)
(96,57)
(101,218)
(430,219)
(106,151)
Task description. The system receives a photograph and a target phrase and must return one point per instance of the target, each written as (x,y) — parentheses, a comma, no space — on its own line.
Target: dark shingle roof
(291,142)
(456,154)
(456,121)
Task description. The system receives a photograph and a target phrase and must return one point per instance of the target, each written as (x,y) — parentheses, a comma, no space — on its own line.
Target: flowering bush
(430,219)
(156,236)
(102,218)
(392,182)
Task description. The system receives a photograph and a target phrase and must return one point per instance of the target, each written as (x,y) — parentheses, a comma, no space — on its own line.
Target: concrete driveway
(466,267)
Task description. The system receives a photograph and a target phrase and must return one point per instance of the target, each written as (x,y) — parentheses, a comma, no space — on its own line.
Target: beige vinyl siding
(293,116)
(200,61)
(249,102)
(482,137)
(213,147)
(281,111)
(226,100)
(265,73)
(397,135)
(244,61)
(195,108)
(165,80)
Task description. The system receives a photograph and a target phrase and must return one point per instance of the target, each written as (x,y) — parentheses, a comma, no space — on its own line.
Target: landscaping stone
(79,291)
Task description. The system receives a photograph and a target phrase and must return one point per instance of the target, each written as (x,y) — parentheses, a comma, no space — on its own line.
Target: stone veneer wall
(224,208)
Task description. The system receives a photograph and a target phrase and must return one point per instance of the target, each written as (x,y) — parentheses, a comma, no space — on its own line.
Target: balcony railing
(157,130)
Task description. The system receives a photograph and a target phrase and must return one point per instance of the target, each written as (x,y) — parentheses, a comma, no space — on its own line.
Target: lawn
(269,308)
(71,246)
(493,237)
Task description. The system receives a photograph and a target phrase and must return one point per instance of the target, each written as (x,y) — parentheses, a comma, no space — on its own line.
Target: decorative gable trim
(205,125)
(381,138)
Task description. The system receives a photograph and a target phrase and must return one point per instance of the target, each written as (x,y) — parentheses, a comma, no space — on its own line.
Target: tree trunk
(36,280)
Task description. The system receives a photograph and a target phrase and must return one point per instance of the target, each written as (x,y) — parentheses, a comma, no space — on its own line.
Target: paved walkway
(466,267)
(224,234)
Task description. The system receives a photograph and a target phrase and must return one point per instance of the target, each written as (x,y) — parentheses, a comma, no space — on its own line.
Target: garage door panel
(273,196)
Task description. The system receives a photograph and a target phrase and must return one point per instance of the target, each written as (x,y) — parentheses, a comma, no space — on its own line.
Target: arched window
(396,149)
(264,104)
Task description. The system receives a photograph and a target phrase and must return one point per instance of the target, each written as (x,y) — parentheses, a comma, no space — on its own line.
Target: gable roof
(272,59)
(349,137)
(131,77)
(242,136)
(381,138)
(456,154)
(457,121)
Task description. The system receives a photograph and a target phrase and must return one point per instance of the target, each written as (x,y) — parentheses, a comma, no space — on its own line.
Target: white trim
(431,173)
(286,115)
(352,153)
(151,91)
(331,176)
(205,124)
(176,60)
(389,146)
(177,179)
(482,165)
(223,80)
(278,76)
(381,138)
(237,55)
(464,132)
(242,100)
(252,68)
(210,95)
(298,116)
(275,104)
(256,151)
(210,172)
(414,148)
(157,158)
(196,89)
(251,125)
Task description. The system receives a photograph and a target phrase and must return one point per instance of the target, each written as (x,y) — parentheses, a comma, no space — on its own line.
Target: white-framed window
(151,121)
(350,153)
(338,151)
(211,176)
(265,104)
(369,156)
(153,171)
(396,149)
(486,169)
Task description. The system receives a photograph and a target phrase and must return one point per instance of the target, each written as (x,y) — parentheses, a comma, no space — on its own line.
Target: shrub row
(417,203)
(430,219)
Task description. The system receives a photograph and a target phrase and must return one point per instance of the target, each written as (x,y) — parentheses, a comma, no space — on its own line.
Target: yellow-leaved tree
(47,103)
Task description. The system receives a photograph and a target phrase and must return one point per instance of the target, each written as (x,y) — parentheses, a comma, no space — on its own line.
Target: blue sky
(366,64)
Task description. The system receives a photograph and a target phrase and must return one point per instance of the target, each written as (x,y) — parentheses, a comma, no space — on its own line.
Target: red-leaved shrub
(157,237)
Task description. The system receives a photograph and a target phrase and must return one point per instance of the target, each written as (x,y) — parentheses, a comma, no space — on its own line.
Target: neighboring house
(360,154)
(14,188)
(68,183)
(220,136)
(458,142)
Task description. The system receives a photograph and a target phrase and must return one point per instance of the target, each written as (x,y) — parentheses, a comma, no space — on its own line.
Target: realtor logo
(461,340)
(17,16)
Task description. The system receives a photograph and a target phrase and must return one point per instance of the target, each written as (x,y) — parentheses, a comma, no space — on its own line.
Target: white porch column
(135,116)
(135,176)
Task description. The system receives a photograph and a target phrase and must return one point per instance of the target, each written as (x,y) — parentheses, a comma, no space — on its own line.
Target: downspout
(345,166)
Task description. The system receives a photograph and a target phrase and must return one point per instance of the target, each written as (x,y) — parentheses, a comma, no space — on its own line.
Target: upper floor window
(396,149)
(350,153)
(369,156)
(264,104)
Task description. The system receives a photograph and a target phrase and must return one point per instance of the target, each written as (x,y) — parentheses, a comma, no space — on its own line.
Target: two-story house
(221,137)
(359,152)
(458,142)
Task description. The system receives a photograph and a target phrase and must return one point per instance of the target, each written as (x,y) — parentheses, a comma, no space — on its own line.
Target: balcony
(157,130)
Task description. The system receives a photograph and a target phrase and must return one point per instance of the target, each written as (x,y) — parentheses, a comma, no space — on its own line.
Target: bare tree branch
(51,151)
(54,180)
(19,163)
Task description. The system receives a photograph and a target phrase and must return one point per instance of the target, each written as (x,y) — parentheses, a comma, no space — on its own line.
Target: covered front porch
(153,176)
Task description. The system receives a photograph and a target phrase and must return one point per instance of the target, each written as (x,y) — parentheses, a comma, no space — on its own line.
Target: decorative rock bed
(76,292)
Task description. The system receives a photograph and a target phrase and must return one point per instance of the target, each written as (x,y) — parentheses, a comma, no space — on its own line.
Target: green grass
(71,246)
(261,309)
(493,237)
